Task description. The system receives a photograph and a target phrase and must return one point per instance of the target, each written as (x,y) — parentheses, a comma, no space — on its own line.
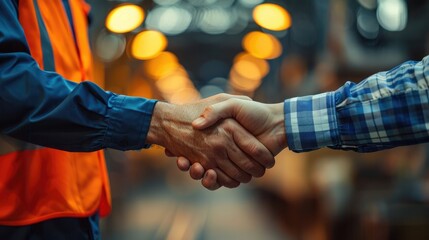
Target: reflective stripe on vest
(38,183)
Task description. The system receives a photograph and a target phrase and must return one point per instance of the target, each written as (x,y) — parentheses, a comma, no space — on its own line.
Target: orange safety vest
(39,183)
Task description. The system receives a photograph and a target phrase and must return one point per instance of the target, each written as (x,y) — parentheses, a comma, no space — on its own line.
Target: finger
(250,145)
(183,163)
(209,180)
(197,171)
(225,180)
(225,96)
(168,153)
(242,97)
(215,112)
(228,167)
(243,160)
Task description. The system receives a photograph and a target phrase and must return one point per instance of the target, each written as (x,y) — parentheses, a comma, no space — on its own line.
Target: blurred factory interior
(183,50)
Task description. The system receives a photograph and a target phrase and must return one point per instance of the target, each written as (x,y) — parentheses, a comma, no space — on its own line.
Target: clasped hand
(224,140)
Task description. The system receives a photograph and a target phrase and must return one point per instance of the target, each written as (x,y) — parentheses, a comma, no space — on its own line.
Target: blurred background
(183,50)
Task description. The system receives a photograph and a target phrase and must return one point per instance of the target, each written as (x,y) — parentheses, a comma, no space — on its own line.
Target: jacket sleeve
(386,110)
(43,108)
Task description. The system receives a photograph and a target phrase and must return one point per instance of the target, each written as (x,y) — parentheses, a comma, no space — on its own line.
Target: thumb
(215,112)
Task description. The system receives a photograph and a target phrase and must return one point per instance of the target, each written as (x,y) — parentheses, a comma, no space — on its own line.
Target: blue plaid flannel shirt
(386,110)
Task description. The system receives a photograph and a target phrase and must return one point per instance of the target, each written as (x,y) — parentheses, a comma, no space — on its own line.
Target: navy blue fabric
(55,229)
(48,53)
(43,108)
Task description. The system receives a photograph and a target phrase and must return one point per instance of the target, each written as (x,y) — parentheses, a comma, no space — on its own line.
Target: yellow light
(172,84)
(250,67)
(272,17)
(162,65)
(139,88)
(148,44)
(242,83)
(185,95)
(124,18)
(262,45)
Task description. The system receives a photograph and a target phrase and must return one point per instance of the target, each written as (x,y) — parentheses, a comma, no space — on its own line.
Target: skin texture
(233,154)
(264,121)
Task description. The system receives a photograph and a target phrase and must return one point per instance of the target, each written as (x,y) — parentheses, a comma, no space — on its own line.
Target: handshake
(224,140)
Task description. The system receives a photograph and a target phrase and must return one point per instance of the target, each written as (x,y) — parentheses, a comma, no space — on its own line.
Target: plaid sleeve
(386,110)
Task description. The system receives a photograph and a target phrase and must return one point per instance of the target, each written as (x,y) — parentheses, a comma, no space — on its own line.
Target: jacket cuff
(128,122)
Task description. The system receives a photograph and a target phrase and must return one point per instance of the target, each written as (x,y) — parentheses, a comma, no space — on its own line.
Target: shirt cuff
(128,122)
(311,122)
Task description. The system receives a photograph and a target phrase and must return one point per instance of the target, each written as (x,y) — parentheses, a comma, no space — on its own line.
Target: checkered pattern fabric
(386,110)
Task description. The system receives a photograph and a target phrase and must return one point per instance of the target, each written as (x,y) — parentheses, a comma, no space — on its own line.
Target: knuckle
(228,124)
(232,100)
(221,96)
(208,110)
(256,151)
(263,155)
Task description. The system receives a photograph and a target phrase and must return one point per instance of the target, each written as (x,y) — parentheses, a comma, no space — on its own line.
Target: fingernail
(199,121)
(206,174)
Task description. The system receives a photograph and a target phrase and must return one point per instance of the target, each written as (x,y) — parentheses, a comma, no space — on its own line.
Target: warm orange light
(124,18)
(242,83)
(262,45)
(185,95)
(139,88)
(162,65)
(172,83)
(272,17)
(250,67)
(148,44)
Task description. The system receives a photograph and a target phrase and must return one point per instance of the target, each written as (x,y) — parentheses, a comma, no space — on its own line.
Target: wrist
(156,130)
(279,130)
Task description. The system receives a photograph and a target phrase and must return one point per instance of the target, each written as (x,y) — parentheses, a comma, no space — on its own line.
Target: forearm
(43,108)
(56,113)
(386,110)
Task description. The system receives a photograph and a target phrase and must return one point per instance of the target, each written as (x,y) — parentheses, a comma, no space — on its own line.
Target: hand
(265,121)
(227,148)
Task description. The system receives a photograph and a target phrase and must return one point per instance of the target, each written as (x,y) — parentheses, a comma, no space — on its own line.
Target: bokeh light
(148,44)
(250,67)
(272,17)
(173,82)
(109,46)
(392,14)
(250,3)
(171,20)
(184,95)
(139,87)
(216,20)
(242,83)
(124,18)
(262,45)
(367,24)
(162,65)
